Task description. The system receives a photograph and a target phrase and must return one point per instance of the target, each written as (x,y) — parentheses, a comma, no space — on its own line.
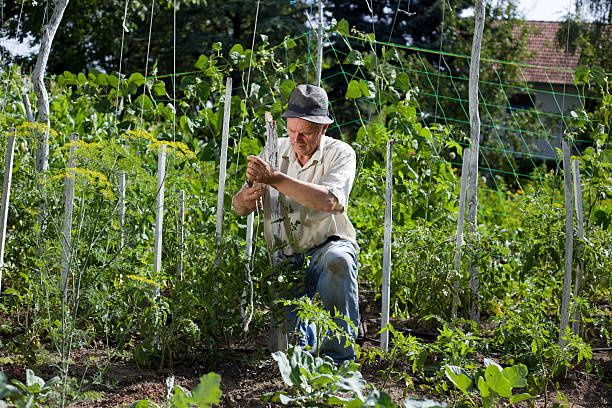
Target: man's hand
(260,171)
(246,200)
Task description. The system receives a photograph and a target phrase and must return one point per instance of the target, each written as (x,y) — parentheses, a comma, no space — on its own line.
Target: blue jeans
(331,271)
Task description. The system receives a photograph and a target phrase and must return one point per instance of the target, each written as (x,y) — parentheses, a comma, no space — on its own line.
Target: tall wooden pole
(223,167)
(569,243)
(48,33)
(278,335)
(320,44)
(6,194)
(246,304)
(386,269)
(580,270)
(159,213)
(67,218)
(472,198)
(459,233)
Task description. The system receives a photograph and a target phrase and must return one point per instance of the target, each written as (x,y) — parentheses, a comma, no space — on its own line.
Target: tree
(90,35)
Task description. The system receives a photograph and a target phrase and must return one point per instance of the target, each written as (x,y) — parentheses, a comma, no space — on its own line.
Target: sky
(546,10)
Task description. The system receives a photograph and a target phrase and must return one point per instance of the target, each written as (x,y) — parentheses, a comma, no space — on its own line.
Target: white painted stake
(181,233)
(580,268)
(386,268)
(278,336)
(159,213)
(569,243)
(320,44)
(67,218)
(472,198)
(122,188)
(6,194)
(459,233)
(223,167)
(247,299)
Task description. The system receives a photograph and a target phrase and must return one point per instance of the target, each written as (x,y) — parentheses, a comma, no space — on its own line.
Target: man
(314,180)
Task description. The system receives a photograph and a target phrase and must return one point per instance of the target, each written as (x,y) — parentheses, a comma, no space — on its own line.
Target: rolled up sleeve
(339,176)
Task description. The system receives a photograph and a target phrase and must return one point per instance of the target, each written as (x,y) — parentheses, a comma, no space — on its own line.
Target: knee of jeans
(340,265)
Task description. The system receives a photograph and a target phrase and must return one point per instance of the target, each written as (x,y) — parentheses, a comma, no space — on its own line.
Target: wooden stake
(27,106)
(569,243)
(159,213)
(459,233)
(474,144)
(69,180)
(320,44)
(278,335)
(6,194)
(386,271)
(122,188)
(223,167)
(181,233)
(580,270)
(48,33)
(247,299)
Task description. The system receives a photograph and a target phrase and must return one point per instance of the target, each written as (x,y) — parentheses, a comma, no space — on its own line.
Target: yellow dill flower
(138,134)
(180,149)
(26,128)
(143,279)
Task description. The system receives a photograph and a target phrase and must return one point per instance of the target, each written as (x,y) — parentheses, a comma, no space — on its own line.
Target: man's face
(305,136)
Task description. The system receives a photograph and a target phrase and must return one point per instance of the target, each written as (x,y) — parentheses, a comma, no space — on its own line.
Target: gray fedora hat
(308,102)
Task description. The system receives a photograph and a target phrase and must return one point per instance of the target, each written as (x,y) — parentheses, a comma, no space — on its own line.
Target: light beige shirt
(332,165)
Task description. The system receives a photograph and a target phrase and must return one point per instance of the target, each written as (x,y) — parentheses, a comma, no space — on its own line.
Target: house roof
(548,56)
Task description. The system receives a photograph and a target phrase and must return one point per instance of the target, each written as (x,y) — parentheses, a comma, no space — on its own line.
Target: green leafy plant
(496,383)
(206,393)
(316,380)
(326,324)
(35,392)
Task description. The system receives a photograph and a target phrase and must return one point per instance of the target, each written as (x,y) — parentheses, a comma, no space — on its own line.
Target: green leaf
(290,43)
(354,57)
(353,91)
(459,377)
(581,75)
(599,75)
(284,367)
(143,404)
(364,88)
(202,62)
(237,48)
(217,46)
(497,382)
(208,391)
(202,90)
(286,88)
(82,79)
(403,81)
(180,398)
(159,89)
(483,387)
(521,397)
(423,403)
(137,78)
(343,27)
(516,375)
